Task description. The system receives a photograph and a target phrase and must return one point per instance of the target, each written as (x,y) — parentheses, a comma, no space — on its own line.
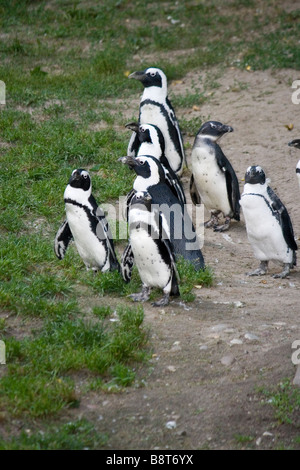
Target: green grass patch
(285,400)
(74,435)
(191,278)
(41,369)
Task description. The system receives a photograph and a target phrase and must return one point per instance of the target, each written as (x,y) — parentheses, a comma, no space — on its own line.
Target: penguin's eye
(142,162)
(153,74)
(142,129)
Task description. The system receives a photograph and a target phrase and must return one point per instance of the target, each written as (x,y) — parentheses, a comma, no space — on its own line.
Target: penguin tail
(236,216)
(115,265)
(174,287)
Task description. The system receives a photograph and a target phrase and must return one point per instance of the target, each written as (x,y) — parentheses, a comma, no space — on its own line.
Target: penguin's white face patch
(142,160)
(153,71)
(257,167)
(85,174)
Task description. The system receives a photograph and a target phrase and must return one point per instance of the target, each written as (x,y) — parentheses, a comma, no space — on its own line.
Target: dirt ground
(212,356)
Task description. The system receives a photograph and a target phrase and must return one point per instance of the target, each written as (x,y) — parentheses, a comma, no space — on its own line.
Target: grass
(65,66)
(39,380)
(285,400)
(74,435)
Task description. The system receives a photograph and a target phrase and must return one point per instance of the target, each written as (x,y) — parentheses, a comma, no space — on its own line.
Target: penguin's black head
(147,167)
(152,134)
(214,130)
(80,179)
(144,134)
(143,199)
(295,143)
(255,175)
(151,76)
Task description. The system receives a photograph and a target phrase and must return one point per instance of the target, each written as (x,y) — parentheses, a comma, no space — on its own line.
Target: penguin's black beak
(137,75)
(76,175)
(133,126)
(130,161)
(295,143)
(226,129)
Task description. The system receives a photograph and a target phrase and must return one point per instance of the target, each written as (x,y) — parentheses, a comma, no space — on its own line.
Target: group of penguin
(159,225)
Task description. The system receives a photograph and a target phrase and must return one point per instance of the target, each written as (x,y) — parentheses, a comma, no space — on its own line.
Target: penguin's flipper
(195,196)
(133,144)
(232,183)
(283,218)
(62,240)
(179,144)
(163,235)
(127,262)
(175,185)
(103,233)
(129,197)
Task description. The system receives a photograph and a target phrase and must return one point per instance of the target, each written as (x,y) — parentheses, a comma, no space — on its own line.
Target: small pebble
(227,360)
(171,425)
(236,341)
(251,337)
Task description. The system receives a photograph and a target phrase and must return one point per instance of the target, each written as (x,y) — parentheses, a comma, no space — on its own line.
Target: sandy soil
(212,356)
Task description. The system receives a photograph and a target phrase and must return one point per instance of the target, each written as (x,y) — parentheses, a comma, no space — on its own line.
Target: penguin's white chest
(210,180)
(263,230)
(90,248)
(153,271)
(152,114)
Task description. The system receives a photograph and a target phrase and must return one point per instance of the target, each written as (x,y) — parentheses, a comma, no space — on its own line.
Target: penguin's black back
(162,195)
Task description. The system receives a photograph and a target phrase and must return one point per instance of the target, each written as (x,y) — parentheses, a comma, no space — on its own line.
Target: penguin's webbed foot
(213,222)
(162,302)
(142,296)
(284,273)
(224,227)
(261,270)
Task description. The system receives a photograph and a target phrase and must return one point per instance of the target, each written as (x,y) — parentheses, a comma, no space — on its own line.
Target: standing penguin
(151,178)
(296,143)
(269,227)
(152,142)
(152,250)
(213,179)
(156,108)
(86,224)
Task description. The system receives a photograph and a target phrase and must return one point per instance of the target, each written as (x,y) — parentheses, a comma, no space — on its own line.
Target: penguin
(268,224)
(156,108)
(152,251)
(86,224)
(151,178)
(213,180)
(296,143)
(152,142)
